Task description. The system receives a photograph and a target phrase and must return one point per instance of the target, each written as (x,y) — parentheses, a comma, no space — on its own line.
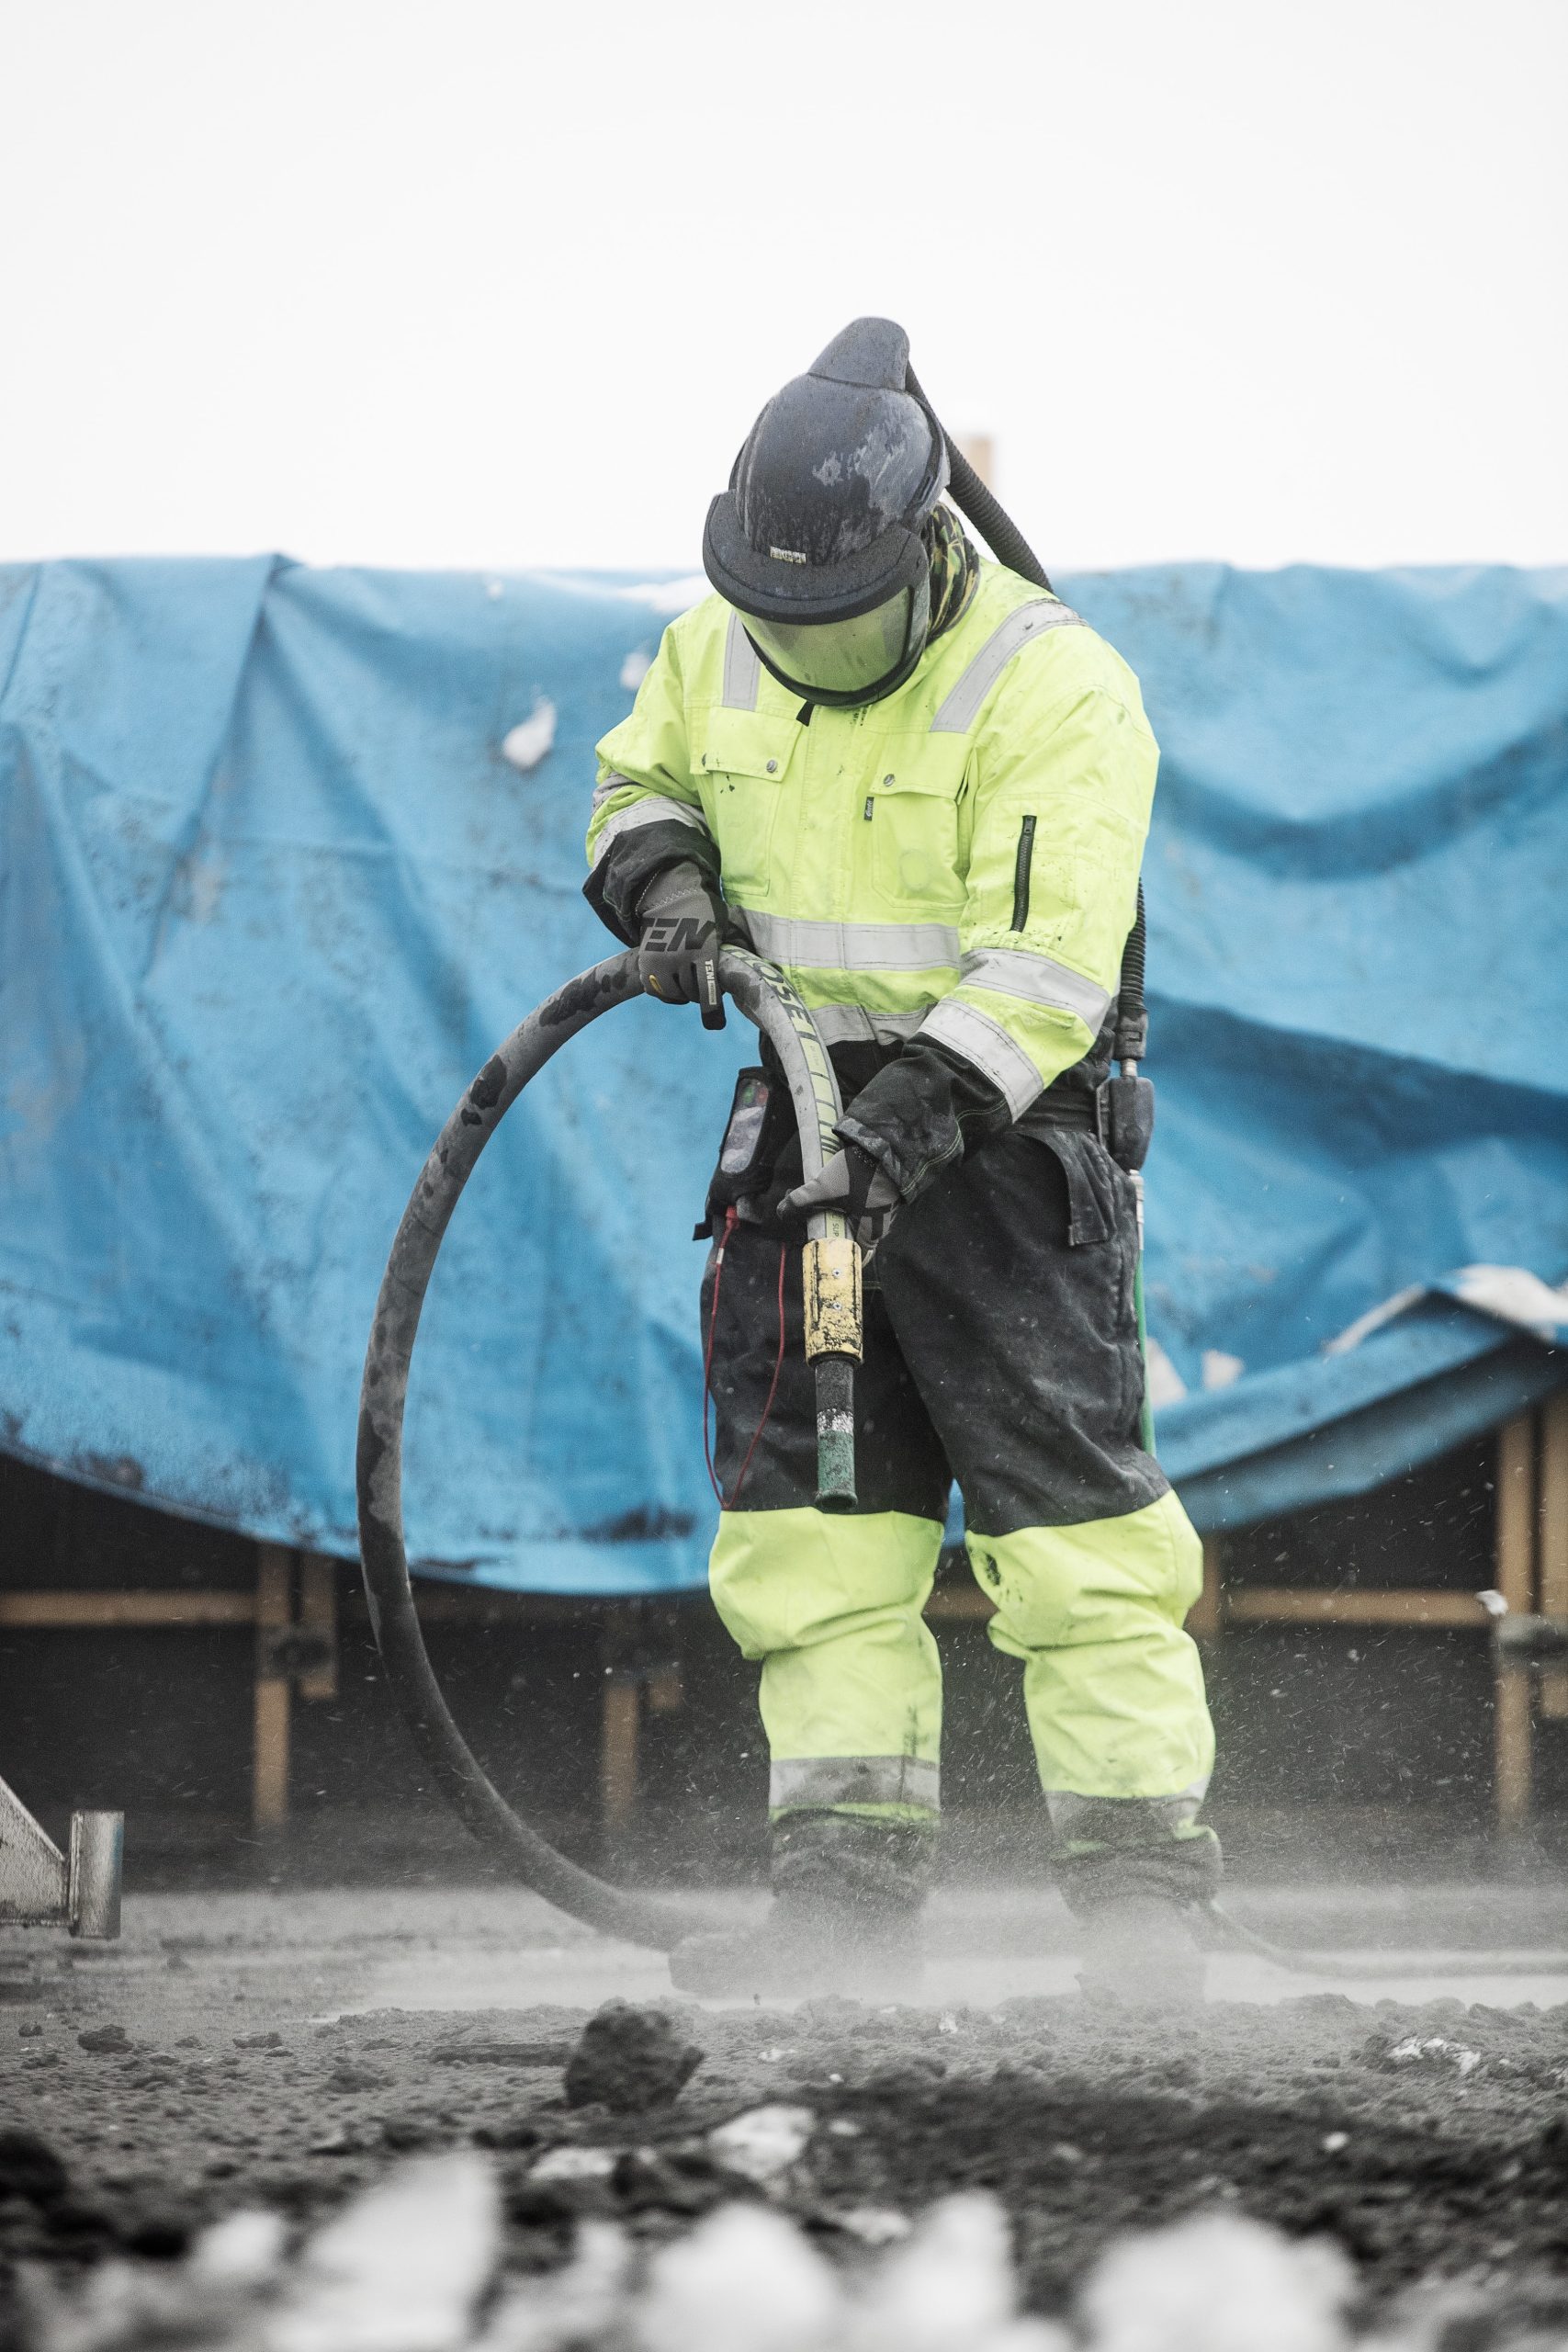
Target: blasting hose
(984,509)
(1220,1931)
(832,1273)
(832,1281)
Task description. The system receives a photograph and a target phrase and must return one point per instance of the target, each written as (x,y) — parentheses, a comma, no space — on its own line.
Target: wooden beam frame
(620,1739)
(59,1613)
(266,1611)
(318,1618)
(273,1693)
(297,1594)
(1552,1534)
(1205,1619)
(1353,1605)
(1514,1576)
(1272,1605)
(1531,1571)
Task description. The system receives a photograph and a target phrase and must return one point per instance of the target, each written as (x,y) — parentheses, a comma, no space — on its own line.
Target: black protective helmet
(818,540)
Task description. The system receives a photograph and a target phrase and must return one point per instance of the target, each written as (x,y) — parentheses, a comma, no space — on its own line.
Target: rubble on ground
(1420,2147)
(417,2264)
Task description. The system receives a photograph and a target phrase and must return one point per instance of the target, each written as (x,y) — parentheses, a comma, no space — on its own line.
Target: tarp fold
(273,886)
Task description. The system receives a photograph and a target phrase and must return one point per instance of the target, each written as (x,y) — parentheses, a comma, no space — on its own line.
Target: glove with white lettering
(680,921)
(852,1184)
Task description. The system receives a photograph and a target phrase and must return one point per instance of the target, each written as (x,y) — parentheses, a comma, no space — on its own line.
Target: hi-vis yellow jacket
(960,859)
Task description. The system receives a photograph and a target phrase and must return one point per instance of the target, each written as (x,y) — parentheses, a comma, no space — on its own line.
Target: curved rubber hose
(984,509)
(772,1005)
(1449,1964)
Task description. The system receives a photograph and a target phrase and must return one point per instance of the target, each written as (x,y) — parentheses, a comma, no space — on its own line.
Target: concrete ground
(291,2047)
(301,1954)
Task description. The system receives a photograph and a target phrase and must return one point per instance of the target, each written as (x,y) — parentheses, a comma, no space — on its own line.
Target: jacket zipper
(1020,874)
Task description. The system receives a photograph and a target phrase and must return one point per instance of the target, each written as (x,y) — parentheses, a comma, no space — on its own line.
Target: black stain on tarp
(642,1524)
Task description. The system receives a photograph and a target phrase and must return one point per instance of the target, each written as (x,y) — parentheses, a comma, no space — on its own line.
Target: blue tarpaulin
(273,888)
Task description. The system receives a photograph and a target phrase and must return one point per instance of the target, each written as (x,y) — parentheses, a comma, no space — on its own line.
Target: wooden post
(269,1766)
(1205,1617)
(318,1615)
(618,1751)
(666,1690)
(1554,1538)
(1515,1579)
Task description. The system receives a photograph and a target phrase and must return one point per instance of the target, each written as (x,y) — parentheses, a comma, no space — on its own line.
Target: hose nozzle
(835,1332)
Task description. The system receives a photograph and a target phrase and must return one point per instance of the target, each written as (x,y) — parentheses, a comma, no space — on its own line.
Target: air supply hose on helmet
(1008,545)
(985,510)
(1132,1098)
(832,1286)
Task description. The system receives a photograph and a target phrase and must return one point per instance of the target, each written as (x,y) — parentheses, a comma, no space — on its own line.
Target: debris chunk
(244,2250)
(1434,2051)
(30,2168)
(575,2164)
(744,2278)
(346,2076)
(403,2269)
(1217,2283)
(629,2059)
(105,2038)
(501,2054)
(764,2142)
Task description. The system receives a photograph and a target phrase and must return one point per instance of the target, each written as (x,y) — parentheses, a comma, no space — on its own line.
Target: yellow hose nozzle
(833,1270)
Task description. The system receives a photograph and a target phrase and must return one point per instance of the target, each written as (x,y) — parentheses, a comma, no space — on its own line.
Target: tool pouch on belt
(758,1127)
(1126,1114)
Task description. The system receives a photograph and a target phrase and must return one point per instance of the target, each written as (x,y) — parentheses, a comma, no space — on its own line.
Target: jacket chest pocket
(910,845)
(739,764)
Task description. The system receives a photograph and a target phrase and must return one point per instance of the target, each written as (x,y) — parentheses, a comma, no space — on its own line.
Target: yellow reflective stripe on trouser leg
(1114,1687)
(851,1688)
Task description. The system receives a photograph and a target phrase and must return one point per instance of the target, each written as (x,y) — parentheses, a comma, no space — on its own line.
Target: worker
(920,788)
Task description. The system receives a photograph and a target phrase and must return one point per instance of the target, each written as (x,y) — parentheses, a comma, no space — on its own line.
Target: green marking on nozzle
(1145,1410)
(835,1467)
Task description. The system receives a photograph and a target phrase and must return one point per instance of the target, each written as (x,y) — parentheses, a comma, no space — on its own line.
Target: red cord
(772,1386)
(731,1220)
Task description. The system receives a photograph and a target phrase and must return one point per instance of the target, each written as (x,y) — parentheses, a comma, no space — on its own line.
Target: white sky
(478,282)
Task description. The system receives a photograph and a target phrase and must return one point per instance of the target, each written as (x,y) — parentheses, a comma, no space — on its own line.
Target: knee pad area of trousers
(788,1579)
(1055,1586)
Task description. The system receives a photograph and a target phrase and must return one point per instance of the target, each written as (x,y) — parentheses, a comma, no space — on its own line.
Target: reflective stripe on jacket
(960,859)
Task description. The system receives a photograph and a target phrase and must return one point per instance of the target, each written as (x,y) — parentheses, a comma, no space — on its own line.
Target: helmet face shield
(819,543)
(834,661)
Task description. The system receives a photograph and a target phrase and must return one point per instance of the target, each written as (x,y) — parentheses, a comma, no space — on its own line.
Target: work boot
(801,1948)
(1141,1953)
(844,1916)
(1137,1871)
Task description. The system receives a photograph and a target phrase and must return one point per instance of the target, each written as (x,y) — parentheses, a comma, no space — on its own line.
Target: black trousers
(1001,1348)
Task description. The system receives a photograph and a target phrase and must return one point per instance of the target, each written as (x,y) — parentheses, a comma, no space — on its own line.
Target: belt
(1075,1109)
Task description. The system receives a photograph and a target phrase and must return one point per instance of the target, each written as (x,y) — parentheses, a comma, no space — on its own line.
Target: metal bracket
(40,1886)
(297,1652)
(1522,1641)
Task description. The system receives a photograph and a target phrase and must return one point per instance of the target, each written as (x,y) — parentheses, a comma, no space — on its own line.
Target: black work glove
(853,1184)
(920,1114)
(680,927)
(899,1133)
